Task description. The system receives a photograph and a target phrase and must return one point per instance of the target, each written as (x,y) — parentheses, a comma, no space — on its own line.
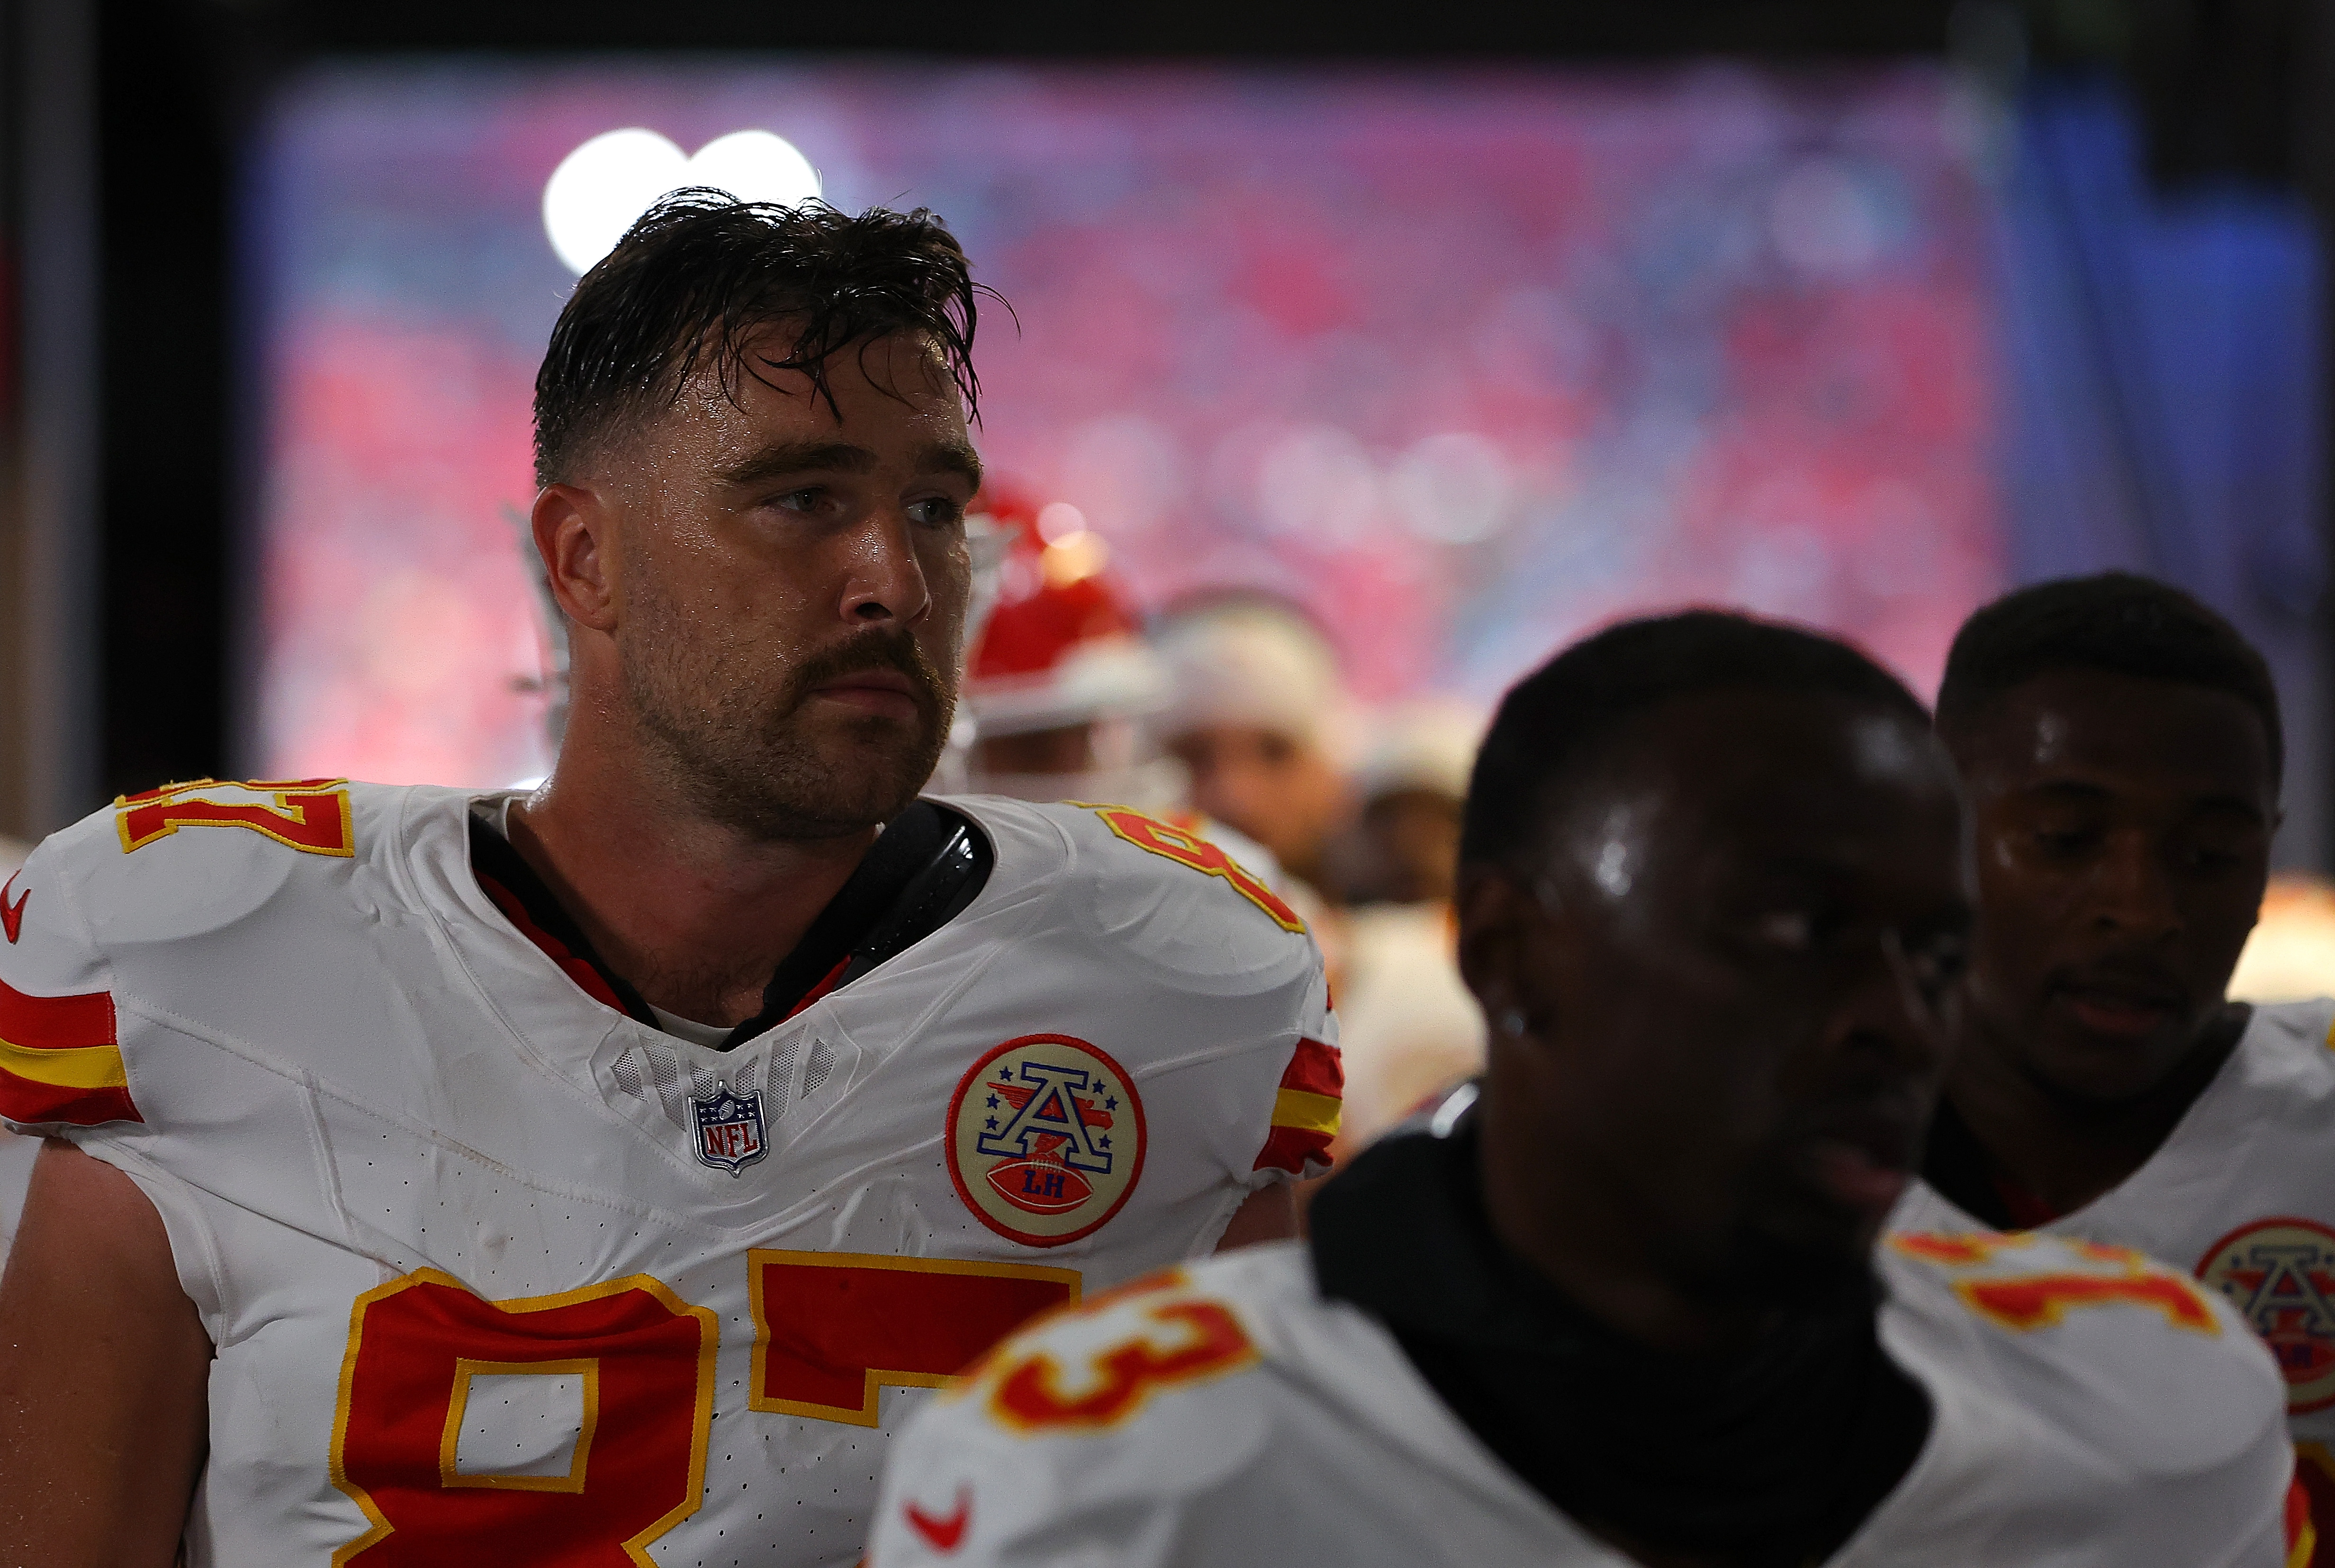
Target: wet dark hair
(701,273)
(2118,622)
(1564,713)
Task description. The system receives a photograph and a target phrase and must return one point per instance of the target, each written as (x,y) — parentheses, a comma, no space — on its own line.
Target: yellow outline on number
(709,1342)
(458,1406)
(876,1378)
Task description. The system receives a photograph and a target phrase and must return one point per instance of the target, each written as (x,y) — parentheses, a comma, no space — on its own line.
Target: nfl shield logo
(728,1129)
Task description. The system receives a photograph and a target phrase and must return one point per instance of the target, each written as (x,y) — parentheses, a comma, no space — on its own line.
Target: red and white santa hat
(1061,642)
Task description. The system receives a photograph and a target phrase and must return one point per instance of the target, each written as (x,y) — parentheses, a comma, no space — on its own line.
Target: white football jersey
(2090,1410)
(2243,1194)
(497,1274)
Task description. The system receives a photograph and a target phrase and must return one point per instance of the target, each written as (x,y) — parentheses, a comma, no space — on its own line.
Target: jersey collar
(924,869)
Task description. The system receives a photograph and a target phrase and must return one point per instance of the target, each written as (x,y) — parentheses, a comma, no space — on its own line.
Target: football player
(2121,747)
(1627,1307)
(1058,678)
(1259,717)
(447,1176)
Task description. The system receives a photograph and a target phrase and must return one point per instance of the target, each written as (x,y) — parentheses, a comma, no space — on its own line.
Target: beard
(768,763)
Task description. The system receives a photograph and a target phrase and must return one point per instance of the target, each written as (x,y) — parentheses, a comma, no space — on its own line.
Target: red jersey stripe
(1316,1069)
(577,969)
(1294,1149)
(22,1099)
(60,1060)
(56,1023)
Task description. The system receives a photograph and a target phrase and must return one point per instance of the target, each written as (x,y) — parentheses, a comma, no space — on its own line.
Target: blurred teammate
(1059,680)
(1406,1028)
(1411,790)
(1060,683)
(1257,714)
(1629,1307)
(595,1177)
(2121,748)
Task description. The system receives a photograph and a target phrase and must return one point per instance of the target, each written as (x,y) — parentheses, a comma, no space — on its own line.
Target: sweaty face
(1749,978)
(793,581)
(2123,831)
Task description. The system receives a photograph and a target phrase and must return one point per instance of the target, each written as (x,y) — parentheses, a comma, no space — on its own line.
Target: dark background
(120,407)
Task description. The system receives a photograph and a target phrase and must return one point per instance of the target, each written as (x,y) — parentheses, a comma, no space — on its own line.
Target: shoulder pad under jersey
(2099,1341)
(153,896)
(1158,895)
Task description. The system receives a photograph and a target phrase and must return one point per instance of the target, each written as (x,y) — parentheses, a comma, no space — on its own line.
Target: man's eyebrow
(950,458)
(784,458)
(2076,793)
(2237,803)
(788,457)
(2068,789)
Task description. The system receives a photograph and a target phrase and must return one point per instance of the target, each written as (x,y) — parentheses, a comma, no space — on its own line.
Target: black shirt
(1771,1457)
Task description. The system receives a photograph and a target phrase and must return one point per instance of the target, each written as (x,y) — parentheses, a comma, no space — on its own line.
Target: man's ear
(1495,916)
(575,536)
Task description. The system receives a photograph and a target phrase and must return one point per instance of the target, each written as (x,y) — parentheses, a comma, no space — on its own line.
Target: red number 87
(429,1363)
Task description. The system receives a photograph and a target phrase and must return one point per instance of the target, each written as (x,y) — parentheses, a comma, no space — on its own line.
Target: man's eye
(1940,961)
(803,500)
(937,513)
(2066,840)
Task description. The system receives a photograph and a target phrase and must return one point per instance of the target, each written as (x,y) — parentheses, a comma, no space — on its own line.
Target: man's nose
(884,582)
(1889,1008)
(2132,890)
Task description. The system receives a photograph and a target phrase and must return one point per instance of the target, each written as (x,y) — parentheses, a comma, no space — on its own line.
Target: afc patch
(728,1129)
(1045,1139)
(2281,1274)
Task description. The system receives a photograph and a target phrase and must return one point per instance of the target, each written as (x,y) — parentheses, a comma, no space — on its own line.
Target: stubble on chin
(767,762)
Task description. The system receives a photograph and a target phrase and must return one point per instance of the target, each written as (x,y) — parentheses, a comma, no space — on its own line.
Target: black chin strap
(929,863)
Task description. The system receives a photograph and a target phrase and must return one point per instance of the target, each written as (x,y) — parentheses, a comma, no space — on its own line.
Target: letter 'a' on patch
(1045,1139)
(2279,1272)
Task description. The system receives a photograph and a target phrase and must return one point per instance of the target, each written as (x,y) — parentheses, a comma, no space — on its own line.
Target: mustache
(873,649)
(1887,1120)
(2138,976)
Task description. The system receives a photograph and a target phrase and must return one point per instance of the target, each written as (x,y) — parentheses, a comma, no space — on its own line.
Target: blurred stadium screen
(1464,361)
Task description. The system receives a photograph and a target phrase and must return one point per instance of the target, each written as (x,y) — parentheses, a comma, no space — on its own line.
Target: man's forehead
(1759,782)
(1737,739)
(2109,727)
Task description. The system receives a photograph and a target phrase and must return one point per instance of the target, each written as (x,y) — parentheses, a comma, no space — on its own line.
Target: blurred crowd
(1227,714)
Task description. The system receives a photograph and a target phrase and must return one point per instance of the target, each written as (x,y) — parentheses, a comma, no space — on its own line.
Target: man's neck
(1595,1252)
(2066,1151)
(694,913)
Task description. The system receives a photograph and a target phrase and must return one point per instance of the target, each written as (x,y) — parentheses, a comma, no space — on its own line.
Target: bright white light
(599,189)
(1058,520)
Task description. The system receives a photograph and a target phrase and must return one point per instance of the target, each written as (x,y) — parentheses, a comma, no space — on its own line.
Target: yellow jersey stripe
(72,1067)
(1294,1107)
